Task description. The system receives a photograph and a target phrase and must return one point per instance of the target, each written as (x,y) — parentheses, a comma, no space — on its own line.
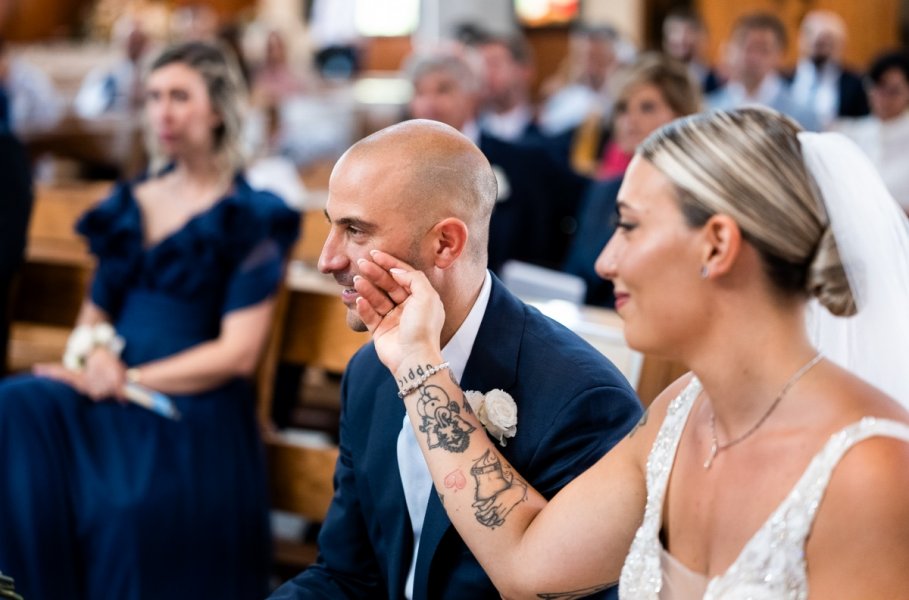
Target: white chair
(531,282)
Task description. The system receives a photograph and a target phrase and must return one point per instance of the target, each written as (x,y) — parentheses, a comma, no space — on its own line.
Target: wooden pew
(55,275)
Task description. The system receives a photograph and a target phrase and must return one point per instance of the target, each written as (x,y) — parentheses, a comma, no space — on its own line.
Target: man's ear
(722,244)
(450,237)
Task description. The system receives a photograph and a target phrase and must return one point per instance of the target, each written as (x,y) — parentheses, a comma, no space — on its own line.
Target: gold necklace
(716,447)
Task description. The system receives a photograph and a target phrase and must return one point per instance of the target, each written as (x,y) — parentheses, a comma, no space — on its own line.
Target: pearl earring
(704,272)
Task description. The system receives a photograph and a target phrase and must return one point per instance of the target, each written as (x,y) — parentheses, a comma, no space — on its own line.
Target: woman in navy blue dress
(103,499)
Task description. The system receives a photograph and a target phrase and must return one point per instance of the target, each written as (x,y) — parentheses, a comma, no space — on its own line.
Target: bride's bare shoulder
(654,414)
(862,525)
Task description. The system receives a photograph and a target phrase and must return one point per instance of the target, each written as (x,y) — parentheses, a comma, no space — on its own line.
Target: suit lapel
(492,364)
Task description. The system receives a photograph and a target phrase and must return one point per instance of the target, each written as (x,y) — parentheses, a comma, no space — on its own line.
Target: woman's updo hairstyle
(748,164)
(226,92)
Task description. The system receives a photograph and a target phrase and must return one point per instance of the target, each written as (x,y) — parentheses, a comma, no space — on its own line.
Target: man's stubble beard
(413,259)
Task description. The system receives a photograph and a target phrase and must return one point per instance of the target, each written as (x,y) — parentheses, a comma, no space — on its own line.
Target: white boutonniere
(497,412)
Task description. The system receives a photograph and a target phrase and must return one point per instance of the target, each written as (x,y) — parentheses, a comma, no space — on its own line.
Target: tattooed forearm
(640,423)
(441,420)
(576,593)
(498,491)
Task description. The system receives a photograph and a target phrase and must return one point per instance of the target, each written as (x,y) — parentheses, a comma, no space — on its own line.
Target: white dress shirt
(415,475)
(765,94)
(819,90)
(509,125)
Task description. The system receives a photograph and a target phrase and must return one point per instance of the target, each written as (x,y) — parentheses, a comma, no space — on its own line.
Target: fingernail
(357,278)
(373,252)
(360,261)
(397,270)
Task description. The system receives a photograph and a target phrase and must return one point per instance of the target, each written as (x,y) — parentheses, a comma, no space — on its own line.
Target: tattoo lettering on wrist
(441,420)
(573,595)
(414,374)
(498,491)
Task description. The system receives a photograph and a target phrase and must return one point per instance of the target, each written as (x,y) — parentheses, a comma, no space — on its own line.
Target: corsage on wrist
(85,338)
(496,411)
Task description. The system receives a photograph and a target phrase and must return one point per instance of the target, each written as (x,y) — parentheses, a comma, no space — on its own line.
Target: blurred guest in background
(536,198)
(194,22)
(652,92)
(116,88)
(754,56)
(684,39)
(507,112)
(334,33)
(581,85)
(275,81)
(884,134)
(142,504)
(820,80)
(29,102)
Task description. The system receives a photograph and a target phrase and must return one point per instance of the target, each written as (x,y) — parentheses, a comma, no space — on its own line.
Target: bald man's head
(822,36)
(437,173)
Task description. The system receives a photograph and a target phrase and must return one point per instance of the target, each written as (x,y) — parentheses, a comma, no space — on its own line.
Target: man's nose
(332,259)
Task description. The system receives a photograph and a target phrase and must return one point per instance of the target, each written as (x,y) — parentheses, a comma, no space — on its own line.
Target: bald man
(820,80)
(422,191)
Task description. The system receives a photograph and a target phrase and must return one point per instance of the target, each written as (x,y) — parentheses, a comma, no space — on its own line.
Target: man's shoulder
(364,372)
(566,360)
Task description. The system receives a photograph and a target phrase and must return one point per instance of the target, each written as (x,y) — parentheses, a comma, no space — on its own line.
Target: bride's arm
(575,543)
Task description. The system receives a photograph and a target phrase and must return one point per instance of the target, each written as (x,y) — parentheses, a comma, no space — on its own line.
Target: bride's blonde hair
(748,164)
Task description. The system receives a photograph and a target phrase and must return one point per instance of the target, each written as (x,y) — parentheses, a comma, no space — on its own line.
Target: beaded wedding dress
(772,564)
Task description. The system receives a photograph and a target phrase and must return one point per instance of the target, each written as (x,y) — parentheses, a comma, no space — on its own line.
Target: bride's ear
(722,245)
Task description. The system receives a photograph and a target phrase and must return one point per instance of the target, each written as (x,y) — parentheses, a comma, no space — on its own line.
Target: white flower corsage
(497,412)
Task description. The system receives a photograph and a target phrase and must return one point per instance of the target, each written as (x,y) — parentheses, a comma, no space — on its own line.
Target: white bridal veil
(872,234)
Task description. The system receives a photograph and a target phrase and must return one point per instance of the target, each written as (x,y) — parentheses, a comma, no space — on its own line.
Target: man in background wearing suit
(754,56)
(423,192)
(820,81)
(534,216)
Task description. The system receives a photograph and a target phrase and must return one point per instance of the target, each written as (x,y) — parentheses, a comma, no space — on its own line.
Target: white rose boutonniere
(496,411)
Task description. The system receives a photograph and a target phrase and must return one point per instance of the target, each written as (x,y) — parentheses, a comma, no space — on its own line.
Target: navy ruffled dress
(108,501)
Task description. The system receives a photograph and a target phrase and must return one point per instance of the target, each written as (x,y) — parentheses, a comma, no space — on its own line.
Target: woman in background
(101,499)
(650,93)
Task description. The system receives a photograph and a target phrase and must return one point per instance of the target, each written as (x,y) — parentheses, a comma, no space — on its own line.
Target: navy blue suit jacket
(534,221)
(853,101)
(596,224)
(573,406)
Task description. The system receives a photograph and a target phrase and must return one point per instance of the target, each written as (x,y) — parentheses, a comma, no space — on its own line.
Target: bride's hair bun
(827,278)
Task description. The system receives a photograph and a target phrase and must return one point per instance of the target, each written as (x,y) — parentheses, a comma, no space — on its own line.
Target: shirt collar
(509,125)
(766,93)
(458,349)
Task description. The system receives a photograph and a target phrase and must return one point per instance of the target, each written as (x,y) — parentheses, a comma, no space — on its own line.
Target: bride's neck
(744,362)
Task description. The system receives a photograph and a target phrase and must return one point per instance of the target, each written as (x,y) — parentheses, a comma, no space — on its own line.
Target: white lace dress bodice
(772,564)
